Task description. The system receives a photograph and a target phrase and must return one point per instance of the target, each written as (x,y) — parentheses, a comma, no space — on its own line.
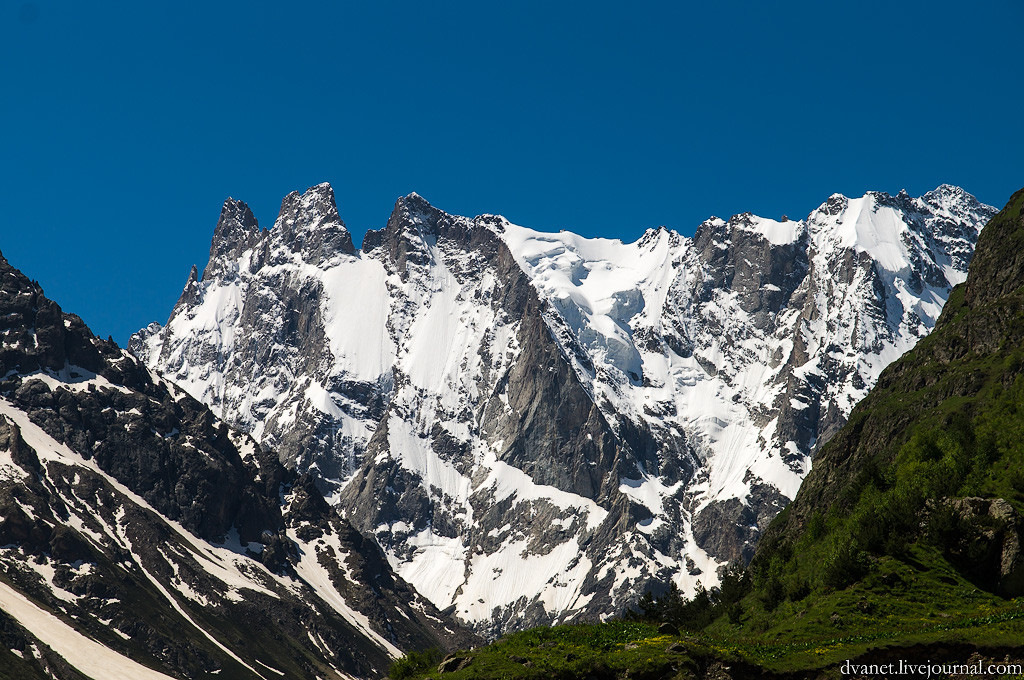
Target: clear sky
(126,124)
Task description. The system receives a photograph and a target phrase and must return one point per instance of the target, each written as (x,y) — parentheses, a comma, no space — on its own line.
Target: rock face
(990,547)
(168,540)
(534,426)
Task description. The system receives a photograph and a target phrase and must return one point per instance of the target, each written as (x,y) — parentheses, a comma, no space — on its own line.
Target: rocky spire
(309,224)
(236,231)
(413,222)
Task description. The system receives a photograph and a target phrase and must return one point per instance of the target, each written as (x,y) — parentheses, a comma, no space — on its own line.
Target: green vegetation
(968,448)
(414,663)
(698,612)
(608,650)
(820,633)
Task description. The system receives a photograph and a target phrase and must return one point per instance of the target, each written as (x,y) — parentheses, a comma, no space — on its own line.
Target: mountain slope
(534,426)
(909,528)
(901,554)
(142,537)
(961,381)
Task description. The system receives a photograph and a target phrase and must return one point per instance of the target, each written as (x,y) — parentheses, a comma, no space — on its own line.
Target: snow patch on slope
(86,655)
(314,573)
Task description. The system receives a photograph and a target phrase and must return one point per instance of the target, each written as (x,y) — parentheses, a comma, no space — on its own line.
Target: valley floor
(638,651)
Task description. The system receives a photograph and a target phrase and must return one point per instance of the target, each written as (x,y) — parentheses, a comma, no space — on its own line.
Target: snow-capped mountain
(537,426)
(141,537)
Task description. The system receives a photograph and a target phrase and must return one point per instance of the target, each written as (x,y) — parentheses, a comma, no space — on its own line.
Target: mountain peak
(311,209)
(414,209)
(236,213)
(949,190)
(309,224)
(835,204)
(652,236)
(412,221)
(952,199)
(317,198)
(237,229)
(413,213)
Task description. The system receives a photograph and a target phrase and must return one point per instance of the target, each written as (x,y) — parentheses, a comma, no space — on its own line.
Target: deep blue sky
(125,125)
